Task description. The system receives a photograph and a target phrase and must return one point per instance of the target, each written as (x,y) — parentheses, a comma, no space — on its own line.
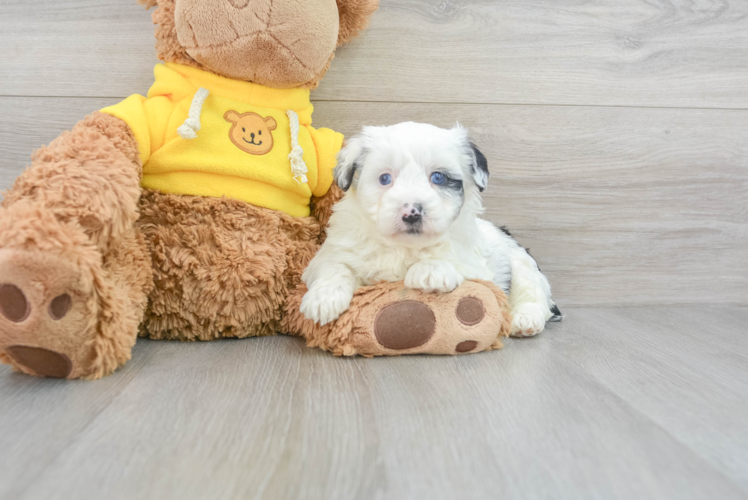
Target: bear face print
(251,132)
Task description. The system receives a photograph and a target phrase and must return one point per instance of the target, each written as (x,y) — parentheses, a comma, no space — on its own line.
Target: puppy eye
(259,133)
(438,178)
(385,179)
(243,129)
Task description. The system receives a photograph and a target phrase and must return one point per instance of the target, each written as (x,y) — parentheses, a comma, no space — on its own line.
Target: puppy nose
(252,136)
(412,214)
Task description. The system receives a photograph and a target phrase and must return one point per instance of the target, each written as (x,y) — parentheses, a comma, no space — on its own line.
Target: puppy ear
(354,17)
(350,159)
(479,167)
(476,161)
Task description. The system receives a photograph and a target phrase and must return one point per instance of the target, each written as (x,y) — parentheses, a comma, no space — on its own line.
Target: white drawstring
(190,127)
(296,156)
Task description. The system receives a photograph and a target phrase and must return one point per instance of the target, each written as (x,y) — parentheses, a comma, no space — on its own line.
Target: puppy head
(412,180)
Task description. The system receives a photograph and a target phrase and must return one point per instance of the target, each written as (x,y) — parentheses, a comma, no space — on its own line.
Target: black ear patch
(344,174)
(350,163)
(479,168)
(343,177)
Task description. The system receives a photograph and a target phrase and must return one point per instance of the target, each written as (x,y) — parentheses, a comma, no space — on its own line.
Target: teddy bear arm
(71,258)
(89,175)
(388,319)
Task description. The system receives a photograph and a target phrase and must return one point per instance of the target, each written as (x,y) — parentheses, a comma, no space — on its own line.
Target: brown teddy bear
(190,213)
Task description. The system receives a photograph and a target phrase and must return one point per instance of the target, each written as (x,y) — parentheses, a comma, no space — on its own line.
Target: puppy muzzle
(412,214)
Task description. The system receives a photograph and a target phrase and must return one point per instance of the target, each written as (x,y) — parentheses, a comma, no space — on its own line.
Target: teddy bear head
(276,43)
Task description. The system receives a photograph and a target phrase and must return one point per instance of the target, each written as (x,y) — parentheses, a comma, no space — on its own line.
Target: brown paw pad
(466,346)
(41,361)
(470,311)
(60,306)
(404,325)
(13,303)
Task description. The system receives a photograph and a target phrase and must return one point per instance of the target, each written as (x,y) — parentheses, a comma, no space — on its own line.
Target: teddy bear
(190,213)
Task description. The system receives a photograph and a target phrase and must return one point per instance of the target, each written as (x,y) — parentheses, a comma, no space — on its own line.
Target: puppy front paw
(326,303)
(528,319)
(433,276)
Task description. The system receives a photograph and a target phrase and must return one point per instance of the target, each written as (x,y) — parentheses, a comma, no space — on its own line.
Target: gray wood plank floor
(616,135)
(682,53)
(612,403)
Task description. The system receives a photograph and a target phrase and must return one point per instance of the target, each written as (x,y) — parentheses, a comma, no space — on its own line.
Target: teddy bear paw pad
(470,311)
(407,321)
(466,346)
(13,303)
(404,325)
(42,361)
(45,314)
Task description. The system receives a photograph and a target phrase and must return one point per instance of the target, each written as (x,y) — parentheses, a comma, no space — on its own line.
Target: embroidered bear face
(251,132)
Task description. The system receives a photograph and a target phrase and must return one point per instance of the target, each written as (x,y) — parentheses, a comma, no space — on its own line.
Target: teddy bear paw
(45,324)
(470,319)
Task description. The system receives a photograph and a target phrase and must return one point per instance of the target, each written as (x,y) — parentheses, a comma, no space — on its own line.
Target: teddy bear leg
(388,319)
(66,311)
(218,267)
(74,272)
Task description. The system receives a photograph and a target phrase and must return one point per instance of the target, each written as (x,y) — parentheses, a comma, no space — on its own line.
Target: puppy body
(411,212)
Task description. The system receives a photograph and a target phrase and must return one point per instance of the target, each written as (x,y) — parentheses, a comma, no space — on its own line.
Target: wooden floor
(627,403)
(617,136)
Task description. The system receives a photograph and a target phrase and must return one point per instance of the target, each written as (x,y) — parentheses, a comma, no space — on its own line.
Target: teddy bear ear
(148,3)
(354,17)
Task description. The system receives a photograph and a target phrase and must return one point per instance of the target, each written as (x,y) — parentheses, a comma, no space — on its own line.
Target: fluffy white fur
(413,229)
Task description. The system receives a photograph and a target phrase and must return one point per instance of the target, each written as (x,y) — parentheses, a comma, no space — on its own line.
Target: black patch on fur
(415,228)
(528,253)
(345,180)
(557,316)
(504,230)
(452,184)
(508,288)
(481,163)
(454,188)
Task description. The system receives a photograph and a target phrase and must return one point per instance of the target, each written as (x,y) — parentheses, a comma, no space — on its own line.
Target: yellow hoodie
(237,140)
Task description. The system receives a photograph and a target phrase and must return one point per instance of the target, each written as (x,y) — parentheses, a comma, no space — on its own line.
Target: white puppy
(410,213)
